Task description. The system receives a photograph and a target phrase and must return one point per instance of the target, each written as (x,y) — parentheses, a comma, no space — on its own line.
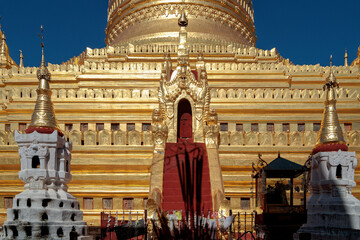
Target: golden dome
(210,21)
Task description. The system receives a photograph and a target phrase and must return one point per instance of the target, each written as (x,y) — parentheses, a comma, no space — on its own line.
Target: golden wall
(104,99)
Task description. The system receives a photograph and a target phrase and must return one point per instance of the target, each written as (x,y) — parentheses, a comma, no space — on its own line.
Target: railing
(227,138)
(278,94)
(267,138)
(243,226)
(112,221)
(91,138)
(14,94)
(214,224)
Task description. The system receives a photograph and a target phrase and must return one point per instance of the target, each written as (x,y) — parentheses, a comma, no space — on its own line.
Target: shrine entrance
(184,122)
(186,179)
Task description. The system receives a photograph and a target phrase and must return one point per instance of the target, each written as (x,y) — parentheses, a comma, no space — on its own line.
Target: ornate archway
(184,121)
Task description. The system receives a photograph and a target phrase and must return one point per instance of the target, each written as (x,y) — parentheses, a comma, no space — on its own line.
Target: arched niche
(184,120)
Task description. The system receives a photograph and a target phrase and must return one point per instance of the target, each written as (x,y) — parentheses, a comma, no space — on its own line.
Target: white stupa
(333,213)
(45,210)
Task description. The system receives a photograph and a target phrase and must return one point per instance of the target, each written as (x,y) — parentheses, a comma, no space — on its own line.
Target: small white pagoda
(332,212)
(45,210)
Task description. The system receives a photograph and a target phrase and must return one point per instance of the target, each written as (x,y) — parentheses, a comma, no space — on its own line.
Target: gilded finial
(3,43)
(5,60)
(21,64)
(330,131)
(183,54)
(43,118)
(183,22)
(43,73)
(331,60)
(346,58)
(331,79)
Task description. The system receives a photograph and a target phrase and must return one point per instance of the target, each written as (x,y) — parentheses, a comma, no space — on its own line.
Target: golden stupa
(216,22)
(260,103)
(330,130)
(43,115)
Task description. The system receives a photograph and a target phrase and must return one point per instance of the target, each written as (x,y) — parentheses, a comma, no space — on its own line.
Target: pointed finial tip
(183,21)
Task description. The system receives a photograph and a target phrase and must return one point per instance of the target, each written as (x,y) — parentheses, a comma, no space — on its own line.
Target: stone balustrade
(226,138)
(294,138)
(317,70)
(120,66)
(173,49)
(280,94)
(237,49)
(89,137)
(82,93)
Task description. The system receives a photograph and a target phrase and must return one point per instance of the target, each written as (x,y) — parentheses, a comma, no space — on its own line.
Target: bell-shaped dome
(144,22)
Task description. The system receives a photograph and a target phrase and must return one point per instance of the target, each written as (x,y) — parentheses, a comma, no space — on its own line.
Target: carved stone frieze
(119,137)
(3,138)
(281,139)
(224,138)
(237,138)
(252,138)
(104,137)
(75,137)
(90,137)
(134,138)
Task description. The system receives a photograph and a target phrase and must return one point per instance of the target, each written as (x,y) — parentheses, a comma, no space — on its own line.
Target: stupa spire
(21,63)
(346,64)
(43,118)
(183,54)
(3,43)
(330,131)
(4,56)
(183,21)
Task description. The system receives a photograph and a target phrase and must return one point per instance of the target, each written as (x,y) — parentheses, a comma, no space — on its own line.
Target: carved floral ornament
(183,81)
(171,90)
(33,150)
(338,158)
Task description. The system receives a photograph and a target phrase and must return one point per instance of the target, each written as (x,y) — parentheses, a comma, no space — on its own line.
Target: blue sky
(305,31)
